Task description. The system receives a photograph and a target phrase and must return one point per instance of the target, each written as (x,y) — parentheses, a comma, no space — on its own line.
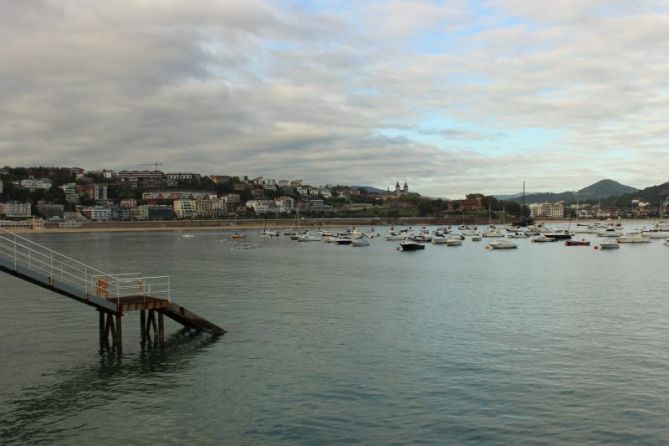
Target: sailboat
(524,220)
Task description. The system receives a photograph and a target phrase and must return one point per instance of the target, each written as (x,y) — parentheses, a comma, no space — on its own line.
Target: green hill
(604,189)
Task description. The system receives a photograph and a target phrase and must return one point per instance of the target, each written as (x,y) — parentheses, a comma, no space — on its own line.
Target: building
(172,195)
(203,208)
(14,209)
(181,176)
(468,204)
(32,184)
(93,192)
(404,190)
(219,207)
(50,211)
(97,213)
(141,178)
(128,203)
(261,206)
(284,205)
(547,210)
(185,208)
(220,179)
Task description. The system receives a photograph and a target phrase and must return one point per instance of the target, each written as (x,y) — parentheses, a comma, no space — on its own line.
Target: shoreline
(226,225)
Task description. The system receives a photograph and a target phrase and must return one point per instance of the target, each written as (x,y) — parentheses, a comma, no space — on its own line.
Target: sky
(452,96)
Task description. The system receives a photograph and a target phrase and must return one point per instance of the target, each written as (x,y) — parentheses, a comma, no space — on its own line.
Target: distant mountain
(370,189)
(605,189)
(600,190)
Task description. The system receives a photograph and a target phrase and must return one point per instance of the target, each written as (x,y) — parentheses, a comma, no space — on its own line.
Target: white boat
(559,234)
(609,231)
(393,237)
(308,238)
(360,242)
(501,244)
(439,240)
(517,234)
(660,230)
(454,241)
(633,237)
(189,236)
(608,245)
(543,239)
(656,233)
(492,232)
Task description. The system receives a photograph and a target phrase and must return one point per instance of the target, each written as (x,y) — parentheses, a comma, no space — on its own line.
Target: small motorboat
(453,241)
(517,234)
(559,234)
(360,242)
(438,240)
(476,238)
(501,244)
(343,241)
(410,246)
(189,236)
(633,237)
(543,239)
(238,236)
(577,243)
(607,245)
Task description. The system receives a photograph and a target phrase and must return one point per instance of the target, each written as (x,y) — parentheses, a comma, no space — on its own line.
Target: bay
(331,344)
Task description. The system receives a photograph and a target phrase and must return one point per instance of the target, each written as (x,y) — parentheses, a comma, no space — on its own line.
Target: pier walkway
(111,294)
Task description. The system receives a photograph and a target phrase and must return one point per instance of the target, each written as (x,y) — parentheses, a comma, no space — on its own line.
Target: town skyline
(445,95)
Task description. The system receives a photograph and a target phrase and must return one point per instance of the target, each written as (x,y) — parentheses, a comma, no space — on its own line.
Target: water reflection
(27,418)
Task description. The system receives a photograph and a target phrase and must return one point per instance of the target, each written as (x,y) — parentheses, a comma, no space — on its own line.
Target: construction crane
(156,164)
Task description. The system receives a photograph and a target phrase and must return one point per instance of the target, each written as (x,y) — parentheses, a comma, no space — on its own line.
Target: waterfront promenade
(285,223)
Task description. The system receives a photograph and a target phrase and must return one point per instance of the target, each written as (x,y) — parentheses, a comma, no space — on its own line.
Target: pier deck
(111,294)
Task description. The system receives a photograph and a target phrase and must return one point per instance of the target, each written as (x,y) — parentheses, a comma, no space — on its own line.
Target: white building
(547,210)
(32,184)
(219,207)
(97,213)
(203,208)
(261,206)
(185,208)
(15,209)
(285,204)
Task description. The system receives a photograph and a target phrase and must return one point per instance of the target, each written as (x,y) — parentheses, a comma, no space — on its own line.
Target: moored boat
(559,234)
(360,242)
(607,245)
(543,239)
(454,241)
(501,244)
(410,246)
(577,243)
(633,237)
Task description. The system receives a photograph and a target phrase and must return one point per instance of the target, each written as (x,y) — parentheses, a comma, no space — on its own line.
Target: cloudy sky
(454,97)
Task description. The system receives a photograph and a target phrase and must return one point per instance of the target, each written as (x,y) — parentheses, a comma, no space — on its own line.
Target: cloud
(267,88)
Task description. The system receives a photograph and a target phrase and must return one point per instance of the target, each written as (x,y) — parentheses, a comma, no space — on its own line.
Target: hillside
(604,189)
(599,190)
(652,194)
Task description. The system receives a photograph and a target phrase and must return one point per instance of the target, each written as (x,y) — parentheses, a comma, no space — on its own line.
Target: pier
(112,295)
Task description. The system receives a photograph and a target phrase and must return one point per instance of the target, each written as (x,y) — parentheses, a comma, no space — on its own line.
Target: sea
(329,344)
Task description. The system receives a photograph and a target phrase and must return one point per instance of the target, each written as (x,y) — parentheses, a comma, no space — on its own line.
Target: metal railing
(87,280)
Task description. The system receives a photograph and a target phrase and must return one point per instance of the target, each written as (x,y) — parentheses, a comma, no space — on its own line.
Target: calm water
(339,345)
